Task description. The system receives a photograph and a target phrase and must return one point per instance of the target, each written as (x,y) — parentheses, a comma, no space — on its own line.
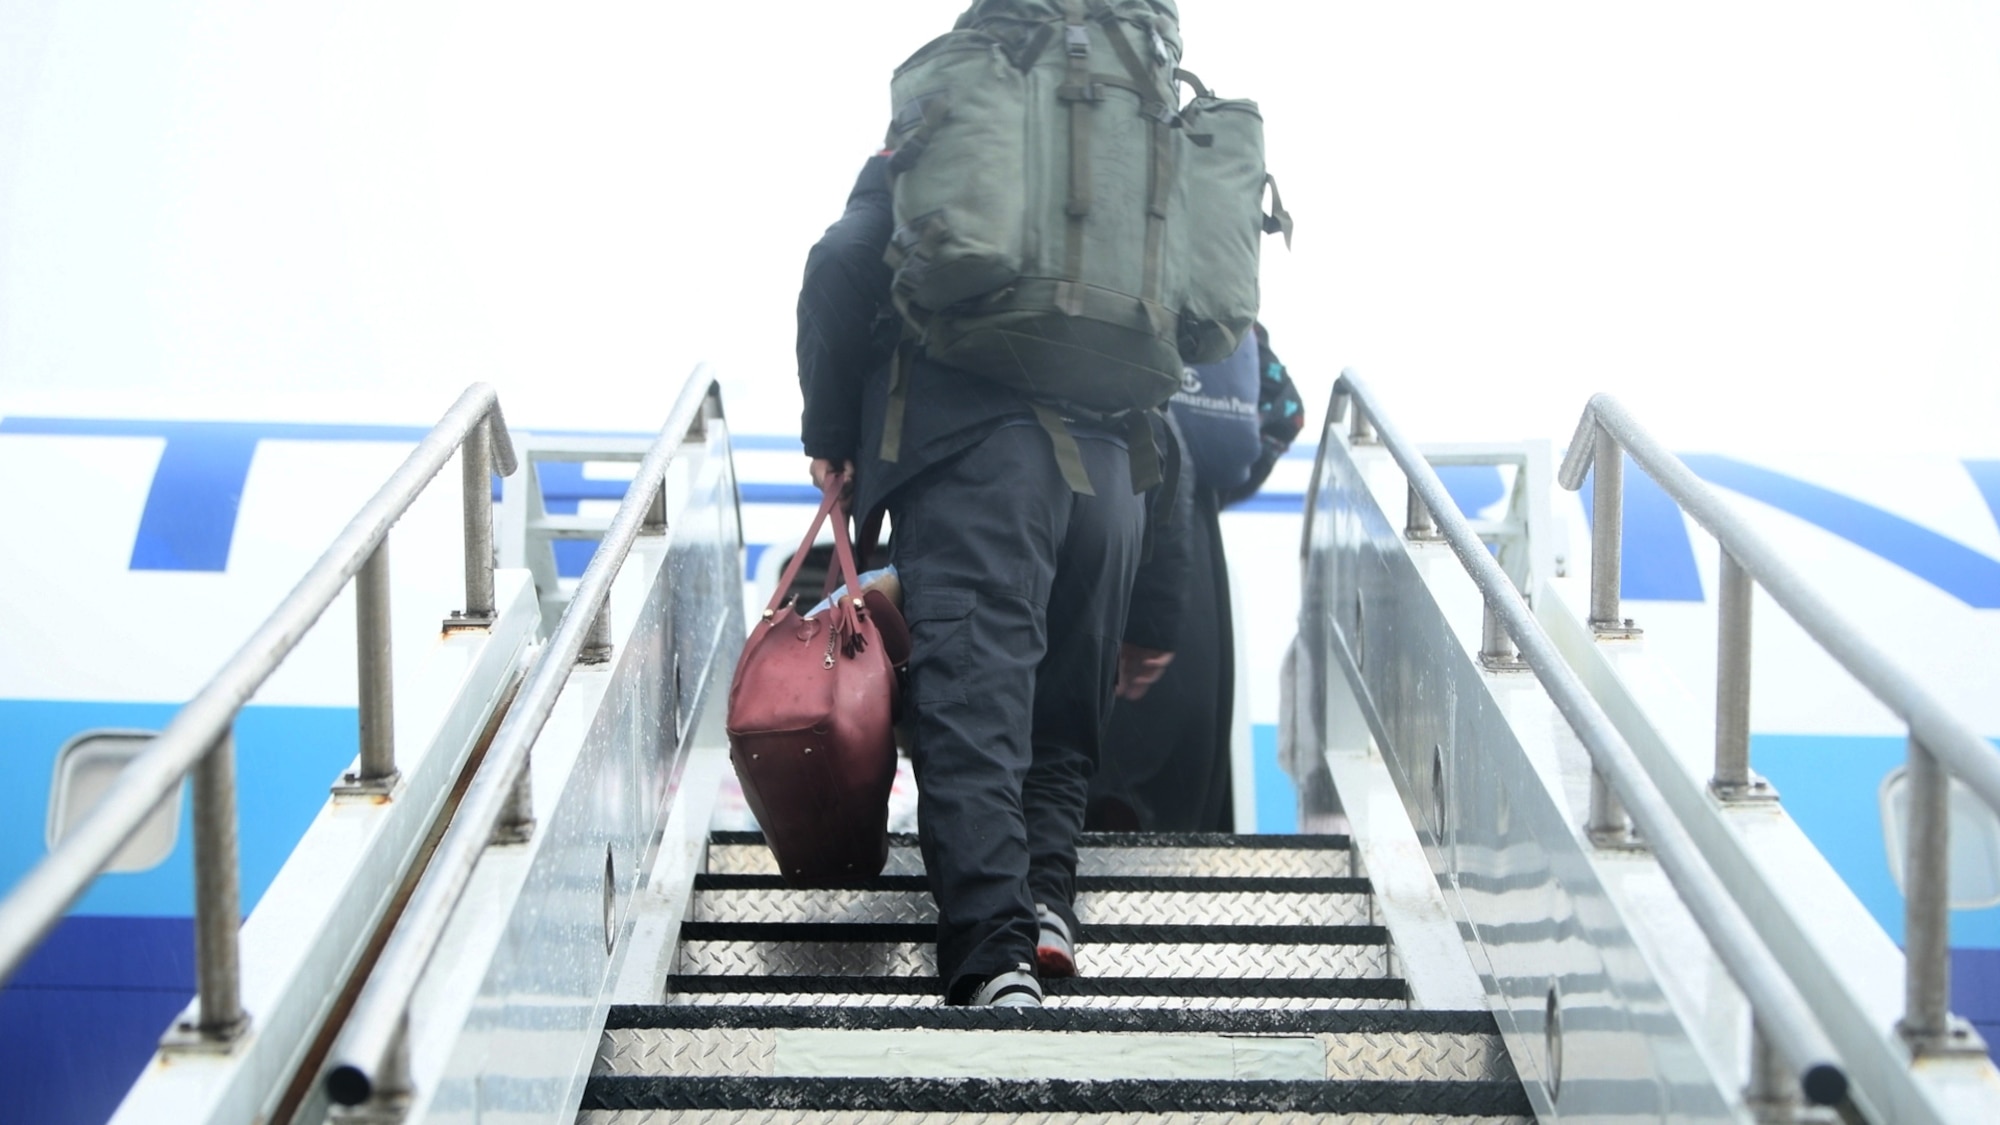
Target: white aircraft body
(157,546)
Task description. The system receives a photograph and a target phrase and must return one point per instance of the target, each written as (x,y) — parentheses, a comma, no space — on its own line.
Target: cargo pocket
(940,643)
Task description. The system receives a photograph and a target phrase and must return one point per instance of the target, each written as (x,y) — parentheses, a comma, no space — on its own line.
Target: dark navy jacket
(848,332)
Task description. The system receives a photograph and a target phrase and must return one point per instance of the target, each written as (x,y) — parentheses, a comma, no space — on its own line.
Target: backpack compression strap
(1080,95)
(1158,107)
(1079,92)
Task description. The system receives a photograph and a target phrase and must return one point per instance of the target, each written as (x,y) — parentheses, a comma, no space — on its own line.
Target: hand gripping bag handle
(843,554)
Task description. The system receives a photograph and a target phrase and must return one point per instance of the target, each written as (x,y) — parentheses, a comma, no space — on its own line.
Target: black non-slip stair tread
(986,1095)
(1099,933)
(1184,1021)
(1085,884)
(1126,840)
(1304,988)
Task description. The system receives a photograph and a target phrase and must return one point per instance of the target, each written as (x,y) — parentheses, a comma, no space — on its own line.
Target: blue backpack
(1217,411)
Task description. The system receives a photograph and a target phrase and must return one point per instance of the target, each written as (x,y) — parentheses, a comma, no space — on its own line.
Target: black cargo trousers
(1015,590)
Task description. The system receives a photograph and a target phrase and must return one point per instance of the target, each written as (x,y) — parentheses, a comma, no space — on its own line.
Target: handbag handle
(843,554)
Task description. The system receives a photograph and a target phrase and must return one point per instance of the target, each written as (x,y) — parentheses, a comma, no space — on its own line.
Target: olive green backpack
(1064,225)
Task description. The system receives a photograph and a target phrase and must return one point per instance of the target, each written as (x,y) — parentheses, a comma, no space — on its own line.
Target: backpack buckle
(1077,38)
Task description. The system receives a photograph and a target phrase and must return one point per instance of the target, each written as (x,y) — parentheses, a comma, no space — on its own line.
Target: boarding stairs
(1527,896)
(1219,977)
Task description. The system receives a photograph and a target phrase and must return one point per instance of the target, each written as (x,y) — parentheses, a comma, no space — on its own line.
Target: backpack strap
(1279,219)
(1080,95)
(1200,90)
(1069,456)
(899,397)
(1139,446)
(1157,101)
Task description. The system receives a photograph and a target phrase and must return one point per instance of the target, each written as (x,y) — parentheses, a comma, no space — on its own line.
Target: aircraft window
(85,769)
(1974,864)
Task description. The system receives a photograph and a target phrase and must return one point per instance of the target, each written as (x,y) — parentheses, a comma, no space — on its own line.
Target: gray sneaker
(1016,988)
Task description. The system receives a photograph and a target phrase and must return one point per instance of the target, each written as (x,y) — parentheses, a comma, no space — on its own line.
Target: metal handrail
(199,740)
(1780,1010)
(370,1059)
(1937,737)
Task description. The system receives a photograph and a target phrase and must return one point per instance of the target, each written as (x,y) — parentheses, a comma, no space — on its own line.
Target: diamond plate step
(1081,1056)
(1106,853)
(836,1117)
(1248,968)
(1096,960)
(1100,901)
(957,1042)
(1078,994)
(955,1097)
(626,1017)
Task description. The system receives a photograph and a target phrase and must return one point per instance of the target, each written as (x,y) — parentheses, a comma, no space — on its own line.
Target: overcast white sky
(1739,216)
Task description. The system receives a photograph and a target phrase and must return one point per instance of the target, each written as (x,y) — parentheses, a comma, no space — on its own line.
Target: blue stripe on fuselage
(1986,477)
(190,514)
(189,519)
(1956,569)
(80,1020)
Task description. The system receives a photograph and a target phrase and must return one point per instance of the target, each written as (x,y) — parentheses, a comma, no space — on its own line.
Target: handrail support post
(219,1017)
(1496,649)
(1928,1025)
(1733,782)
(517,820)
(1773,1090)
(1607,537)
(1610,826)
(376,774)
(1420,526)
(597,644)
(656,512)
(1361,428)
(476,465)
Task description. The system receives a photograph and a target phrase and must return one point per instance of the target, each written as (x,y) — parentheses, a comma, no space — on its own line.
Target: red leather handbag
(811,714)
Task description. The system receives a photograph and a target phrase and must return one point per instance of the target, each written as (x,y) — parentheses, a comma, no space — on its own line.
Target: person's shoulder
(874,181)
